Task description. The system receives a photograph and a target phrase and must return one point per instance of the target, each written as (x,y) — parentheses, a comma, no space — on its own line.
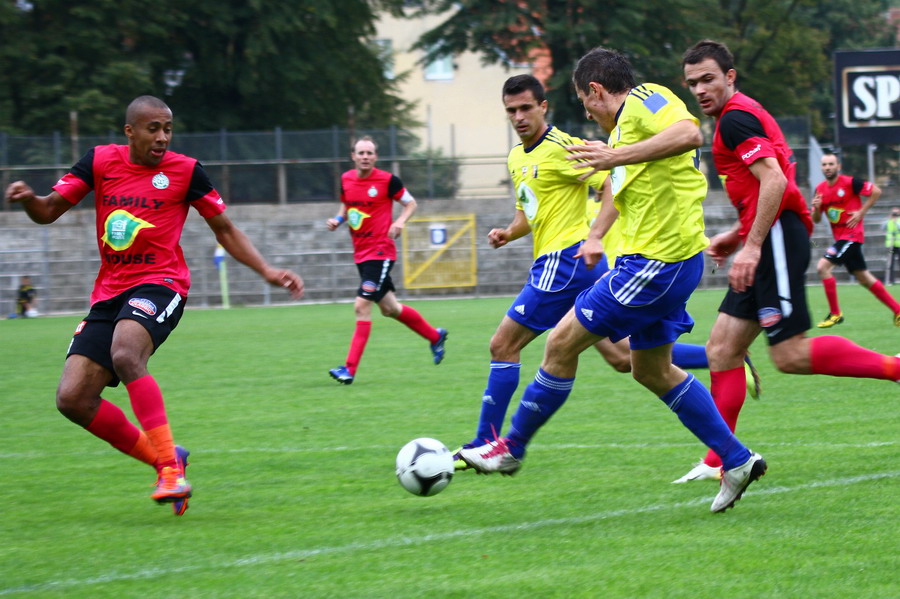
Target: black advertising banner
(867,97)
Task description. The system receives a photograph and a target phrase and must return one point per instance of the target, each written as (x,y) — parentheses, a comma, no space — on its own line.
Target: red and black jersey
(141,212)
(746,132)
(839,200)
(370,208)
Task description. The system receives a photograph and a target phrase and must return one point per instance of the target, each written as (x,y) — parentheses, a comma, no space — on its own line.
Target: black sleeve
(857,185)
(394,186)
(200,184)
(737,126)
(84,168)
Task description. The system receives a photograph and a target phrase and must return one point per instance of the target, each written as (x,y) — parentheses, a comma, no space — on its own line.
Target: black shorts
(777,298)
(847,254)
(156,307)
(375,279)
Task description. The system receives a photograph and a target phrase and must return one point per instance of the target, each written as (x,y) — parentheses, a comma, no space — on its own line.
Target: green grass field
(295,494)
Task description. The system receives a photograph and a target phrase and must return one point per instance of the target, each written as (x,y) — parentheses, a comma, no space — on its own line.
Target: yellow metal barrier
(439,252)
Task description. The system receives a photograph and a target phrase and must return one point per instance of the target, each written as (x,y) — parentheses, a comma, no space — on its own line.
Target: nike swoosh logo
(110,178)
(141,314)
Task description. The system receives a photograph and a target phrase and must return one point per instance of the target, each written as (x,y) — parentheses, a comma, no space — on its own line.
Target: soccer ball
(424,466)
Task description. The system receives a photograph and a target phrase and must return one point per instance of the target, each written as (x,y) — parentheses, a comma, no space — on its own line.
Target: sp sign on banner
(867,96)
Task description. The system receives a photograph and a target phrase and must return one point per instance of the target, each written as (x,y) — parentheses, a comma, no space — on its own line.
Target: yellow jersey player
(658,191)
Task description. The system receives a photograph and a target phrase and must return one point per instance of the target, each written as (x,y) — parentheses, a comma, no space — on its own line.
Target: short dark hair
(139,104)
(607,67)
(522,83)
(830,153)
(709,49)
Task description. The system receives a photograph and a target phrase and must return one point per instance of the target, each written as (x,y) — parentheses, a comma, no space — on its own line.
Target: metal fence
(288,167)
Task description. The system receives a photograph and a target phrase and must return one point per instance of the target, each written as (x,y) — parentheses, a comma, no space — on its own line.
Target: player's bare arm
(591,251)
(335,221)
(239,246)
(857,217)
(409,208)
(41,209)
(724,244)
(675,139)
(519,227)
(817,208)
(772,184)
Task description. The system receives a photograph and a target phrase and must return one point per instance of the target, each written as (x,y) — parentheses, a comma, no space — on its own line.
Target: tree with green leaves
(782,48)
(301,64)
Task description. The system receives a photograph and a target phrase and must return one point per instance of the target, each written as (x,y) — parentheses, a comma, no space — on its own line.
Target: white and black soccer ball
(424,466)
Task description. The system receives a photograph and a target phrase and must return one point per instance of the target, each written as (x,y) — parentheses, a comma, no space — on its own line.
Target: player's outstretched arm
(41,209)
(242,249)
(678,138)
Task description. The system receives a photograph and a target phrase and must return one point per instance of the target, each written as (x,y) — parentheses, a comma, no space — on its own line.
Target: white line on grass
(376,544)
(535,447)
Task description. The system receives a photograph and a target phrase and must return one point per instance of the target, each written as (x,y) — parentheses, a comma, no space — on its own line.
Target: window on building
(440,69)
(384,49)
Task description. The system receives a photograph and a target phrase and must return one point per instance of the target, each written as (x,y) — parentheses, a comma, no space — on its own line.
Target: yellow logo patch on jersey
(121,229)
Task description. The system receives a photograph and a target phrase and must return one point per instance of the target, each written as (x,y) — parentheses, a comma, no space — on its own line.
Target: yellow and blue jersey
(549,193)
(659,202)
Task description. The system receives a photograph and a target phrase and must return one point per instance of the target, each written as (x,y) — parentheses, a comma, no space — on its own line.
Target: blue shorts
(555,281)
(642,298)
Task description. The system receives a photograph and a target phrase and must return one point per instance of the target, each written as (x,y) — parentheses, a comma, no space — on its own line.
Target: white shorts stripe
(633,287)
(779,257)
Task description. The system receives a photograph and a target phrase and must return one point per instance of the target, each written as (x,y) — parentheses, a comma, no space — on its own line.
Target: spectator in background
(26,301)
(367,204)
(143,194)
(840,198)
(892,243)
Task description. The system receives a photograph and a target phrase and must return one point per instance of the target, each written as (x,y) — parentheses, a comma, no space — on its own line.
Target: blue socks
(688,357)
(694,406)
(545,395)
(502,383)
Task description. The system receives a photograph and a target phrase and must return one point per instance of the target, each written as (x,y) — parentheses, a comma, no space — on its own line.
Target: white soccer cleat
(700,471)
(492,457)
(735,482)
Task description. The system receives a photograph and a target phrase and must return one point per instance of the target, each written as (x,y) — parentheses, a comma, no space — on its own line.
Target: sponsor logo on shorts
(142,304)
(369,287)
(769,317)
(141,314)
(520,309)
(80,326)
(589,314)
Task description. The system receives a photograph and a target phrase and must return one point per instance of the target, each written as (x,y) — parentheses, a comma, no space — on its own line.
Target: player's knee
(71,405)
(620,363)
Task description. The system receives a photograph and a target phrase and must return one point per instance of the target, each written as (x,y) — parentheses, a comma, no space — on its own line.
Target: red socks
(830,285)
(358,344)
(837,356)
(728,388)
(882,294)
(411,318)
(149,409)
(111,425)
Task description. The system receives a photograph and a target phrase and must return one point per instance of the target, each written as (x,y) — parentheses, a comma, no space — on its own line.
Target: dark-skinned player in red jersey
(367,203)
(142,196)
(770,245)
